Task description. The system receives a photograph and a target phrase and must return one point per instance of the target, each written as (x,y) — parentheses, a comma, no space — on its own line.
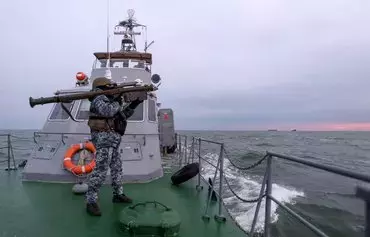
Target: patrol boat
(170,195)
(168,199)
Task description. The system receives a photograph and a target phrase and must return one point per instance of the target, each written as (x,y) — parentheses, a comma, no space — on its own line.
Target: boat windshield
(116,63)
(58,113)
(83,112)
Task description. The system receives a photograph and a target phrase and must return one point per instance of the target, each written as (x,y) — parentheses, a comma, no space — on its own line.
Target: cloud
(239,64)
(339,96)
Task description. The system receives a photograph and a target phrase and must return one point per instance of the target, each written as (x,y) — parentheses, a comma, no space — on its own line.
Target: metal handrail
(64,135)
(76,133)
(266,186)
(331,169)
(9,146)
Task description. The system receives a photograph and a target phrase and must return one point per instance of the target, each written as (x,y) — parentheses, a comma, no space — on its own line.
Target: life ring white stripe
(75,148)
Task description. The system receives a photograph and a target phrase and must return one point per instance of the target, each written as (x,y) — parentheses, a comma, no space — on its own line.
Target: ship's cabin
(145,115)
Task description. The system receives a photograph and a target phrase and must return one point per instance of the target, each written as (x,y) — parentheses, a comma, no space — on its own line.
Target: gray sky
(224,64)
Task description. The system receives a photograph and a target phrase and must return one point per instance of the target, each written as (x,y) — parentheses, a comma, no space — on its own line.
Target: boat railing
(10,150)
(66,134)
(7,141)
(192,153)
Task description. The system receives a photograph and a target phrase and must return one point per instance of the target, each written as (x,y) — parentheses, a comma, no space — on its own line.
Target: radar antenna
(130,13)
(126,28)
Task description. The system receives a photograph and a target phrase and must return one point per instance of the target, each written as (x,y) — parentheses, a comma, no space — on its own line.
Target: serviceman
(107,121)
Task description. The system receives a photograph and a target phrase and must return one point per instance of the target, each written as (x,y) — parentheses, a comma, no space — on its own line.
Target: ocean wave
(336,138)
(357,143)
(251,155)
(265,144)
(248,188)
(328,140)
(347,195)
(336,221)
(362,144)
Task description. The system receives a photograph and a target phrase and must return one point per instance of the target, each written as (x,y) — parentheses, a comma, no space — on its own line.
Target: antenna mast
(108,30)
(126,28)
(108,72)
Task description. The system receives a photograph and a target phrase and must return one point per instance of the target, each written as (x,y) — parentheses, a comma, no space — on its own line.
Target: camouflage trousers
(105,157)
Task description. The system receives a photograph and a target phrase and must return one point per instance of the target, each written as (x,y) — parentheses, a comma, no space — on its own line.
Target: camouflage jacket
(102,106)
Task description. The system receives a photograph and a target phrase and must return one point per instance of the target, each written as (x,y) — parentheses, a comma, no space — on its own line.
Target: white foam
(247,188)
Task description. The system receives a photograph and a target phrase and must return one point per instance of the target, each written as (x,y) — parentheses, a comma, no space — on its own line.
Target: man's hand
(132,96)
(135,103)
(118,98)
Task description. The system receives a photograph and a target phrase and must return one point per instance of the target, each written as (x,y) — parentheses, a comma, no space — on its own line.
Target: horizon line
(223,130)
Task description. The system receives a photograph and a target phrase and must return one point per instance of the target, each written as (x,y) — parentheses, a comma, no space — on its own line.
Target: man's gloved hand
(135,103)
(118,98)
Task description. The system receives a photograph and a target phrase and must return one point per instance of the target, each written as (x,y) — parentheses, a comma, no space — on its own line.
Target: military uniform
(103,110)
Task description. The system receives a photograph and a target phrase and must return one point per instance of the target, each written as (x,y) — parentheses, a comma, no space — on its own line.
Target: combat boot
(93,209)
(122,198)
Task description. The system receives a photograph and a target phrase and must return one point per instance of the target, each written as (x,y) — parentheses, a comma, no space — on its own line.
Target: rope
(241,168)
(245,168)
(4,147)
(240,198)
(254,200)
(214,166)
(229,186)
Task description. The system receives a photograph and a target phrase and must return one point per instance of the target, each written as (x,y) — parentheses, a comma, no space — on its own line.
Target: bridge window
(138,114)
(58,112)
(84,108)
(122,63)
(152,115)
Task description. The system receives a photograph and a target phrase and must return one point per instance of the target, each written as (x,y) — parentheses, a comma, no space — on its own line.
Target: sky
(225,65)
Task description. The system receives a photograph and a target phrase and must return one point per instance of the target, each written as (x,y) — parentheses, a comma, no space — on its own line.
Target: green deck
(51,210)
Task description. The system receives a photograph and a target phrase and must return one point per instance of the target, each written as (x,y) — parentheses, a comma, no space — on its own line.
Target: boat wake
(248,188)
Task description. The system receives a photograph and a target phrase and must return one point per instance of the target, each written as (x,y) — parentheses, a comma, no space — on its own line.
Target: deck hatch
(45,150)
(150,218)
(130,151)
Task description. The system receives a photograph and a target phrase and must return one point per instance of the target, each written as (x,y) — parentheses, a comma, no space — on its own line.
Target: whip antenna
(108,72)
(108,29)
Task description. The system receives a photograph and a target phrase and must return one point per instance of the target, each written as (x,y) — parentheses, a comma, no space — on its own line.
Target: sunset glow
(300,127)
(331,127)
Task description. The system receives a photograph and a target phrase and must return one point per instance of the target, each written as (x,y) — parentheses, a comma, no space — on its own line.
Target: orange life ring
(79,169)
